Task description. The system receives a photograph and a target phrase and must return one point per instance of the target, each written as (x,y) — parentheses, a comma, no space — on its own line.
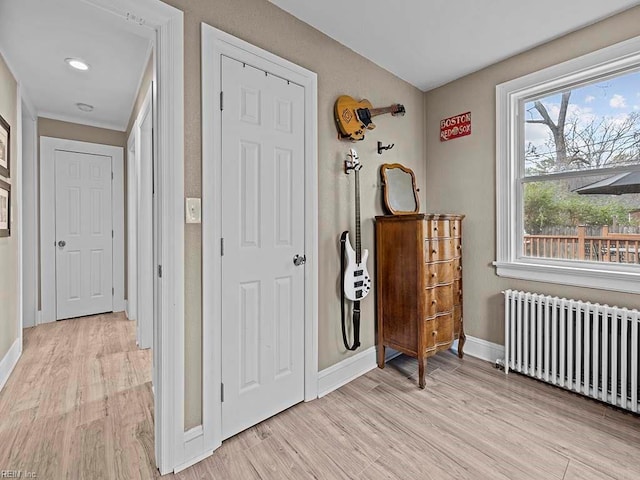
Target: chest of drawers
(419,285)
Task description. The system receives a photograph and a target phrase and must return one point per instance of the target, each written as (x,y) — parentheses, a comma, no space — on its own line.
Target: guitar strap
(356,304)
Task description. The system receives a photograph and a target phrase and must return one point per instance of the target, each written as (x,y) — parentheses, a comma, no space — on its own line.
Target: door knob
(62,243)
(299,260)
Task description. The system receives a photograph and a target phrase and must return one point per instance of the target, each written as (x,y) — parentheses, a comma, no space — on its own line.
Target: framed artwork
(5,209)
(5,151)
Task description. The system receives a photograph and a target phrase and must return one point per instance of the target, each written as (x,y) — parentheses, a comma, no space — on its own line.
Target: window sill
(618,278)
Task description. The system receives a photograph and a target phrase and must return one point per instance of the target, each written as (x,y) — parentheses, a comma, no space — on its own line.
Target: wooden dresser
(419,285)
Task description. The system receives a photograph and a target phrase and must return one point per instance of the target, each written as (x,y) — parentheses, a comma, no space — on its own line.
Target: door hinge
(160,271)
(222,392)
(111,233)
(221,101)
(113,291)
(222,247)
(111,175)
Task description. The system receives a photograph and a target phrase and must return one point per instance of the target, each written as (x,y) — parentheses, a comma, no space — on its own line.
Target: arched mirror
(399,185)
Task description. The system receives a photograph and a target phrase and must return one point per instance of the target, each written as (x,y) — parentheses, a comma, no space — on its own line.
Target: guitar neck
(358,247)
(383,110)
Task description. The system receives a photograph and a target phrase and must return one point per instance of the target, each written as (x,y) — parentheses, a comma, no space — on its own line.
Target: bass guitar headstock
(352,162)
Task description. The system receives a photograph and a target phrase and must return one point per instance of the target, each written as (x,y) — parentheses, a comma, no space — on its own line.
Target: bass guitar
(353,117)
(357,282)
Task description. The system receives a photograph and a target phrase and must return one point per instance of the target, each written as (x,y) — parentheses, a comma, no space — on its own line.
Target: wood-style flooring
(79,405)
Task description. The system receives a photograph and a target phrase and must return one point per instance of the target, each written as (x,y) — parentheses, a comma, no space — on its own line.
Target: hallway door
(84,234)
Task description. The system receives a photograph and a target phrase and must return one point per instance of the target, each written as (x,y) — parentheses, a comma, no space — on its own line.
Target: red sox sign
(456,126)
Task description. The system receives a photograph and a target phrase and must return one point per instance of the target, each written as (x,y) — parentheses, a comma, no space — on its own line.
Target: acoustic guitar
(353,118)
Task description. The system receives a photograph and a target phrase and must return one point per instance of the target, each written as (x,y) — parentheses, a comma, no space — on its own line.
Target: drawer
(443,228)
(457,267)
(438,228)
(439,249)
(438,331)
(457,320)
(457,292)
(438,300)
(439,272)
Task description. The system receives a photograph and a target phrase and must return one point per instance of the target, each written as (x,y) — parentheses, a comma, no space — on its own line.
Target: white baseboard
(482,349)
(343,372)
(8,363)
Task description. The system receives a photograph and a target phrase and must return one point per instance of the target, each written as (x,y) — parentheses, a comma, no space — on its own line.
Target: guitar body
(357,282)
(346,115)
(353,118)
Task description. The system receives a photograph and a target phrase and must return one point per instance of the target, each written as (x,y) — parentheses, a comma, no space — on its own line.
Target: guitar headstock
(397,109)
(352,162)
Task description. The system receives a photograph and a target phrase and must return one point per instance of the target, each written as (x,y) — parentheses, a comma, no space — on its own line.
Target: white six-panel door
(83,234)
(263,229)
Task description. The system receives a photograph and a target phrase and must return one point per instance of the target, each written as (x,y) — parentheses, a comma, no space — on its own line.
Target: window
(568,172)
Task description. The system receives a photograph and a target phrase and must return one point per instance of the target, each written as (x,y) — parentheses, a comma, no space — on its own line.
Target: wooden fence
(606,247)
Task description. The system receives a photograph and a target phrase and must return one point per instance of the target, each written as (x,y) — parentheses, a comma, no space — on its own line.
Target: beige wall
(48,127)
(340,71)
(9,245)
(461,173)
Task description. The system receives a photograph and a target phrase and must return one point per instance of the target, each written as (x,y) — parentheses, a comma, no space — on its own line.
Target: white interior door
(263,229)
(84,234)
(145,270)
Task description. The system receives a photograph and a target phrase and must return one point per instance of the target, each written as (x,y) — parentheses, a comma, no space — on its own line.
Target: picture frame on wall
(5,148)
(5,209)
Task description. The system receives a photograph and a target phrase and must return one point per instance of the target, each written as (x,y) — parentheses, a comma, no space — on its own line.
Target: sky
(614,97)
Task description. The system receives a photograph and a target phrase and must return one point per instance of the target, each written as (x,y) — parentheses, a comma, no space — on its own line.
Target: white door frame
(216,43)
(132,238)
(145,285)
(48,147)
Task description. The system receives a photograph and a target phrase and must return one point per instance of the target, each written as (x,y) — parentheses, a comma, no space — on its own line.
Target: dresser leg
(421,365)
(381,356)
(461,341)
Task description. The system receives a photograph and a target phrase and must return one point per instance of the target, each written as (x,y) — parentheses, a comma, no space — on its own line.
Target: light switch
(193,209)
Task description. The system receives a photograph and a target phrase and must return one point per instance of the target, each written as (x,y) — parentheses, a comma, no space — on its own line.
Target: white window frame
(510,262)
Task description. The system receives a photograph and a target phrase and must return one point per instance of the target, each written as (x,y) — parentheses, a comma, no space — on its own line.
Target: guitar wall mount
(384,147)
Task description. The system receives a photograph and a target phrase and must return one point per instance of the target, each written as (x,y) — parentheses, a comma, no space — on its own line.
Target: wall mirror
(399,185)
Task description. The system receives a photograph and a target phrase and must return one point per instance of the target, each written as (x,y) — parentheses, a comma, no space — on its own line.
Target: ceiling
(37,35)
(430,43)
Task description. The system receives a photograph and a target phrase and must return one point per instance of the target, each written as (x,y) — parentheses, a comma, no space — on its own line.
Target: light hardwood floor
(79,405)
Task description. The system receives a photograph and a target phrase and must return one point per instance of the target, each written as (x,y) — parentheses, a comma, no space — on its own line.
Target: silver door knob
(299,260)
(62,243)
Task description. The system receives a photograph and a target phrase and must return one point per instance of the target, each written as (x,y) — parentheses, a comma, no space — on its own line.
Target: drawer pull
(433,302)
(435,229)
(434,251)
(433,275)
(434,333)
(459,267)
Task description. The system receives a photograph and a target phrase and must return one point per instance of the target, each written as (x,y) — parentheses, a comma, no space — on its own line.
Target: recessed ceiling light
(85,107)
(77,64)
